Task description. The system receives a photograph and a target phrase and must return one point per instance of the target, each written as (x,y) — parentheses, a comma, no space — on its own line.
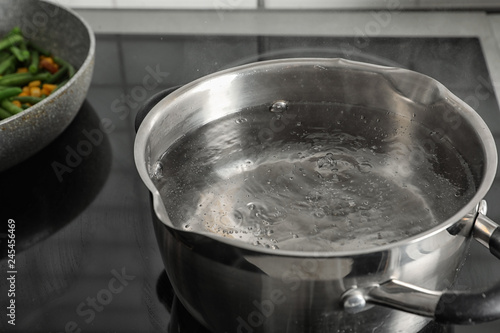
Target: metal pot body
(234,290)
(231,286)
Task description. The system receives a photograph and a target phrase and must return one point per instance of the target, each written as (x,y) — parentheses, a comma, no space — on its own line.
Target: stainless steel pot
(232,286)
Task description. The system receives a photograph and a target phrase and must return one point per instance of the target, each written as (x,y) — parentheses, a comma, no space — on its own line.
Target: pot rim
(482,130)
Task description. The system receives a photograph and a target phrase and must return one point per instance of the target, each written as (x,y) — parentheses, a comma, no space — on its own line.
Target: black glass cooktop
(86,255)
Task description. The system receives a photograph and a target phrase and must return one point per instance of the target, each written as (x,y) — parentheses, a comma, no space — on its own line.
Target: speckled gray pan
(65,34)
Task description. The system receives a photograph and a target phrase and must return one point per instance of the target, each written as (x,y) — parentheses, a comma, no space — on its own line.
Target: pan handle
(150,103)
(486,231)
(447,307)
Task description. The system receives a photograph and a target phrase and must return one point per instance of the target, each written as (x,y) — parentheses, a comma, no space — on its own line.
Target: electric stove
(86,255)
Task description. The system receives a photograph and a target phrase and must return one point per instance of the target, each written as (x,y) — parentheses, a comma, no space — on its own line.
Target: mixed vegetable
(28,73)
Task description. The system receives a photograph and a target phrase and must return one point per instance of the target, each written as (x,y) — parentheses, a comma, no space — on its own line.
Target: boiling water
(302,182)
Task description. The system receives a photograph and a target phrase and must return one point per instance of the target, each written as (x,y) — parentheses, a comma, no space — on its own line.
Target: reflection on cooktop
(50,197)
(43,201)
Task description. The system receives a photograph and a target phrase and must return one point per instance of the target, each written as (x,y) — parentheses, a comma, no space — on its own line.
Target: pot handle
(462,307)
(150,103)
(448,307)
(486,231)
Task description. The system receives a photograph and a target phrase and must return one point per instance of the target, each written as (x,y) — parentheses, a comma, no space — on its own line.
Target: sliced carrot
(23,94)
(16,103)
(48,64)
(49,87)
(36,83)
(35,91)
(22,70)
(26,90)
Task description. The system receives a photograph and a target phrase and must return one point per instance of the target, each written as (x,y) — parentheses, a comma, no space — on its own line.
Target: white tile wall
(279,4)
(161,4)
(321,4)
(188,4)
(379,4)
(85,3)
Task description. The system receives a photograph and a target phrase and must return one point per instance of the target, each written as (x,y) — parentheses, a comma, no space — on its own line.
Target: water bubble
(365,167)
(321,162)
(313,196)
(319,214)
(241,120)
(257,232)
(238,216)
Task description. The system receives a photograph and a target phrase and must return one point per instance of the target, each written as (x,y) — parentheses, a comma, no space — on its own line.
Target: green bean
(19,79)
(39,49)
(71,71)
(4,55)
(23,45)
(4,65)
(9,107)
(15,53)
(15,75)
(62,62)
(15,31)
(10,70)
(24,49)
(4,114)
(20,55)
(27,99)
(57,76)
(10,40)
(9,92)
(33,68)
